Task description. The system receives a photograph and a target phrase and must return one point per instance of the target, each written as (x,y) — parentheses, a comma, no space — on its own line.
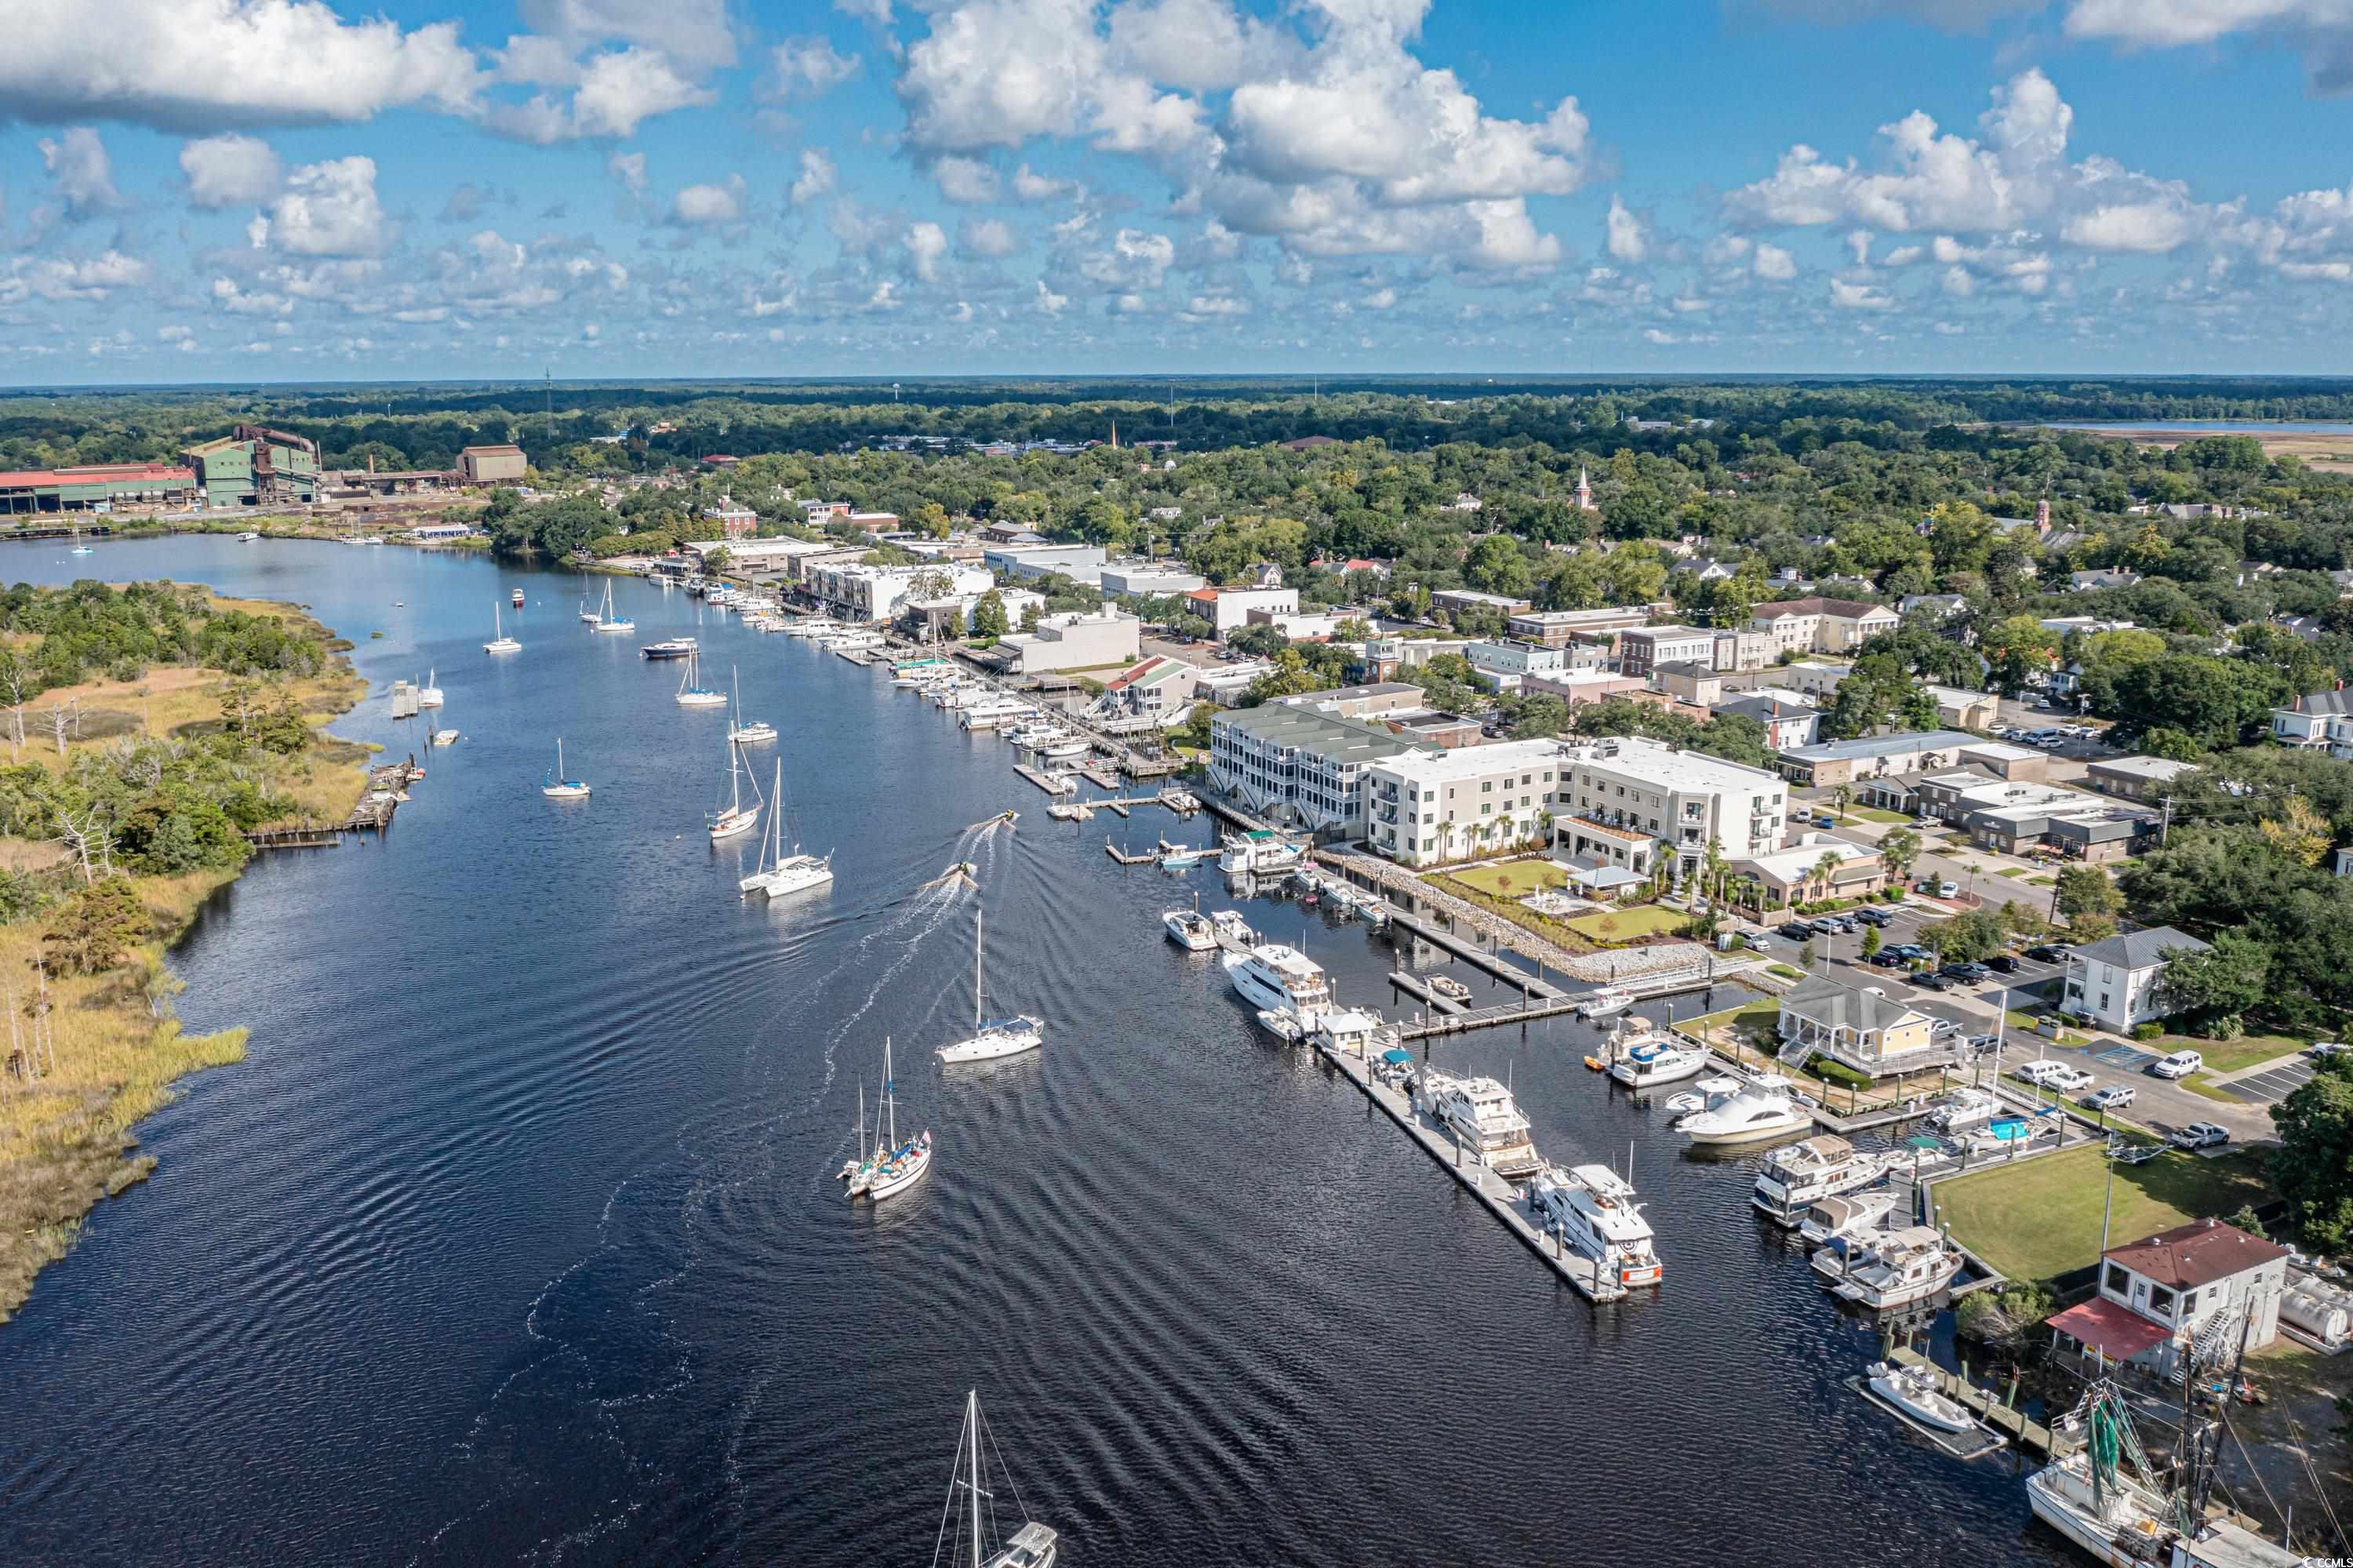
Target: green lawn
(2041,1217)
(1873,814)
(1625,925)
(2227,1055)
(1512,879)
(2023,1022)
(2041,881)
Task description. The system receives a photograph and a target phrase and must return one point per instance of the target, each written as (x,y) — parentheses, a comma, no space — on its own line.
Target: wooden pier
(305,837)
(374,813)
(1112,850)
(1053,783)
(1473,954)
(2004,1421)
(1502,1200)
(1098,775)
(1470,1018)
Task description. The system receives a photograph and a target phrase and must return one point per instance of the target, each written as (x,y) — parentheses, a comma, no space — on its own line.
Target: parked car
(2068,1080)
(2047,953)
(1984,1044)
(1909,950)
(2323,1049)
(2005,962)
(2179,1064)
(1888,958)
(2115,1097)
(1948,890)
(1831,925)
(1797,931)
(1880,918)
(1935,980)
(2035,1072)
(2201,1135)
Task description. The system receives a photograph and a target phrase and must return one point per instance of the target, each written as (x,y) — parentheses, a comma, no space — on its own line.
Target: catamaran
(992,1037)
(555,786)
(758,729)
(606,620)
(738,818)
(500,643)
(428,695)
(778,873)
(894,1167)
(1031,1546)
(691,692)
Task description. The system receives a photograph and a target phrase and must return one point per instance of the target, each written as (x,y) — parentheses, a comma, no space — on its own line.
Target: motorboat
(1183,859)
(1761,1112)
(758,729)
(1282,1024)
(1447,986)
(428,695)
(1913,1390)
(990,714)
(606,620)
(1792,1179)
(1705,1094)
(247,538)
(517,597)
(1274,975)
(1032,1545)
(992,1037)
(1644,1058)
(735,817)
(555,786)
(499,641)
(1190,930)
(1591,1208)
(1609,999)
(1892,1268)
(1480,1116)
(1852,1215)
(444,738)
(1963,1109)
(2108,1500)
(692,692)
(1233,931)
(672,648)
(1065,750)
(1259,852)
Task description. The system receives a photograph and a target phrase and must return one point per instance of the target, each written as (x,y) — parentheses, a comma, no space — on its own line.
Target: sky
(294,190)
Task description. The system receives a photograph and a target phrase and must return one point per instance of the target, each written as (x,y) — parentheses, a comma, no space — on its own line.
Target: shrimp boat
(758,729)
(1033,1545)
(428,695)
(608,621)
(2111,1502)
(778,873)
(738,818)
(894,1167)
(499,641)
(691,692)
(555,786)
(992,1037)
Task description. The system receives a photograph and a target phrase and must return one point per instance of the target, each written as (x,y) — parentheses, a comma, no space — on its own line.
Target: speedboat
(1962,1110)
(1853,1214)
(1609,999)
(1761,1112)
(675,647)
(1275,976)
(1913,1390)
(1479,1114)
(1894,1269)
(1182,860)
(445,737)
(517,597)
(1190,930)
(1450,987)
(247,538)
(1232,930)
(1705,1094)
(1647,1059)
(1593,1210)
(1282,1024)
(1823,1166)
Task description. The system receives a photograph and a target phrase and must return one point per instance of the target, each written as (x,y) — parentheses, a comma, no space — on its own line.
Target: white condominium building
(1426,807)
(1630,800)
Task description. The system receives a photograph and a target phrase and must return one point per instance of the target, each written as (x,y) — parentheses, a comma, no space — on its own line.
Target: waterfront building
(2119,981)
(254,466)
(1299,766)
(96,487)
(1427,807)
(2160,1295)
(864,594)
(1635,802)
(1071,640)
(1861,1030)
(1229,609)
(499,464)
(1792,876)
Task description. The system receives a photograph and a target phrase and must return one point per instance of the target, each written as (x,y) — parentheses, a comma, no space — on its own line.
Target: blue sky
(269,190)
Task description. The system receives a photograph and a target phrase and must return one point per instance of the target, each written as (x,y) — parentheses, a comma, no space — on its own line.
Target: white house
(1424,807)
(2324,719)
(2193,1284)
(1511,662)
(1623,799)
(2114,983)
(1227,609)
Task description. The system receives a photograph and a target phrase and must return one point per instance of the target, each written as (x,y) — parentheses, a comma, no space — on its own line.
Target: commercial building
(1424,807)
(2136,778)
(1073,641)
(2119,981)
(1511,662)
(1796,874)
(1298,765)
(1080,563)
(1578,687)
(1227,685)
(1865,1030)
(790,555)
(1645,649)
(864,593)
(99,487)
(1962,709)
(1818,625)
(1629,800)
(1558,628)
(738,521)
(1788,722)
(1469,599)
(492,465)
(254,466)
(1361,701)
(1306,625)
(1156,689)
(1226,608)
(2160,1296)
(1886,755)
(1138,579)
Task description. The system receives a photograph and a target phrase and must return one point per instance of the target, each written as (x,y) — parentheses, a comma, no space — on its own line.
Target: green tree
(716,562)
(98,928)
(1291,677)
(1496,566)
(1870,943)
(1899,848)
(2085,889)
(2223,981)
(2312,1166)
(2173,745)
(2016,648)
(988,618)
(1967,938)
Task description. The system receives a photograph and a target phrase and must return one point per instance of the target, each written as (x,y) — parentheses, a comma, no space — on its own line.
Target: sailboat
(691,692)
(894,1167)
(738,818)
(778,873)
(758,729)
(590,616)
(1032,1545)
(428,695)
(992,1037)
(555,786)
(501,642)
(856,1162)
(606,620)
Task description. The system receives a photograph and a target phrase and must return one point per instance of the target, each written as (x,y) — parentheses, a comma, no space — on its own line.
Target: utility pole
(2164,822)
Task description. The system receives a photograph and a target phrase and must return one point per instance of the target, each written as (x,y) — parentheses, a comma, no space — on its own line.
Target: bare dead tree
(64,718)
(83,836)
(15,681)
(45,1035)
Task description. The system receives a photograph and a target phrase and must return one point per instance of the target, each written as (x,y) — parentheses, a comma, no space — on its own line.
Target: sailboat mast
(890,1104)
(977,1009)
(972,1436)
(861,1121)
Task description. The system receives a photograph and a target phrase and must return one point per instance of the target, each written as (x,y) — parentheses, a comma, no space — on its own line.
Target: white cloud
(231,171)
(618,92)
(1859,296)
(806,68)
(2150,227)
(708,206)
(327,210)
(1137,259)
(629,168)
(183,66)
(1031,185)
(926,243)
(61,278)
(695,33)
(1775,264)
(81,171)
(2323,29)
(966,180)
(1629,241)
(817,178)
(1049,302)
(1204,307)
(987,239)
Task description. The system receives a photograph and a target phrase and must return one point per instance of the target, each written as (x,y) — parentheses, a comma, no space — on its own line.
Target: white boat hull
(1192,938)
(991,1043)
(1760,1133)
(565,792)
(1667,1067)
(787,879)
(702,699)
(1921,1405)
(729,824)
(889,1183)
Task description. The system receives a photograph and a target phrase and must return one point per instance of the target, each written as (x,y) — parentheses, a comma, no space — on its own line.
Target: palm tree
(1825,869)
(1714,866)
(1844,796)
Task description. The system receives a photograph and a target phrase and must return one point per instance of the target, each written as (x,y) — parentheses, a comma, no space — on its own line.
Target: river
(516,1238)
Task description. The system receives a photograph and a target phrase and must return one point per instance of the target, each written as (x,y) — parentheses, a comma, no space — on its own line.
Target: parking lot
(1843,952)
(2273,1083)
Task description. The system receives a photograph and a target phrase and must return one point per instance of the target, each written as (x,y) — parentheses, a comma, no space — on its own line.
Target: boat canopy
(1398,1055)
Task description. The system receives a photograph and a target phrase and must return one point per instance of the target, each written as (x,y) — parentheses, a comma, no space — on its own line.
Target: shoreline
(85,1150)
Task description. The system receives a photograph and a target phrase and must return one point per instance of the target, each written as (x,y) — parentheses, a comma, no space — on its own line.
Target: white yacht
(1259,852)
(555,786)
(1609,999)
(606,620)
(992,1037)
(1963,1109)
(1758,1113)
(991,713)
(1705,1094)
(692,692)
(428,695)
(1854,1214)
(1643,1059)
(1031,1546)
(1913,1390)
(735,817)
(1592,1209)
(1479,1112)
(2104,1498)
(1233,932)
(1894,1269)
(1823,1166)
(1273,975)
(1063,750)
(1190,930)
(499,641)
(813,625)
(778,873)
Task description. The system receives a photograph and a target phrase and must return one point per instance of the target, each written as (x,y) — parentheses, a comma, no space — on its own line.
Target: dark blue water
(516,1238)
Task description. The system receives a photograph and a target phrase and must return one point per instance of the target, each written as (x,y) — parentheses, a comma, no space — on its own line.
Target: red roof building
(2206,1284)
(2116,1332)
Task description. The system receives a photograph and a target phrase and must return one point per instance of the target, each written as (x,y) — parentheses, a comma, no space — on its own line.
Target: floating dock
(1053,783)
(2004,1421)
(1112,850)
(1502,1198)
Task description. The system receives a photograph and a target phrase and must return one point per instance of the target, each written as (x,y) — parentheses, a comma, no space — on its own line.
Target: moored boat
(1190,930)
(1481,1116)
(1272,975)
(1791,1179)
(1642,1058)
(1609,999)
(1591,1208)
(992,1037)
(1760,1112)
(1913,1390)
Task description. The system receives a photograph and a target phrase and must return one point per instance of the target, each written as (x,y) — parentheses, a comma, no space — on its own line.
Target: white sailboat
(428,695)
(499,641)
(606,620)
(894,1167)
(778,873)
(992,1037)
(590,616)
(758,729)
(692,692)
(737,818)
(555,786)
(1033,1545)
